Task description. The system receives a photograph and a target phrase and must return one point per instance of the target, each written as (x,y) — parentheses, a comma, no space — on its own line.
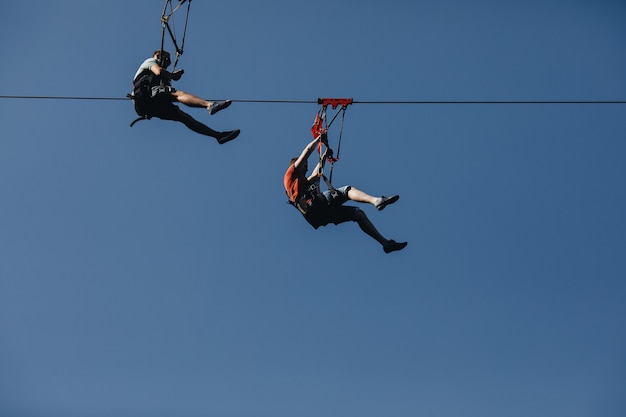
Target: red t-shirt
(296,183)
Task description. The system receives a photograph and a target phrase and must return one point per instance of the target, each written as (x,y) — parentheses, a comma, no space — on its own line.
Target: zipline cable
(65,98)
(428,102)
(497,102)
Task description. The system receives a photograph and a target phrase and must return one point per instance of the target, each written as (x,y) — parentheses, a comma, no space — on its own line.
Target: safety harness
(148,90)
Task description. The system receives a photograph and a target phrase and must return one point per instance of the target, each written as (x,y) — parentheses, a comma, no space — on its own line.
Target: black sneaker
(218,105)
(392,245)
(385,201)
(228,136)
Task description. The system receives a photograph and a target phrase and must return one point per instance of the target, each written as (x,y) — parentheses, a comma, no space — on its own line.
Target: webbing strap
(328,184)
(336,158)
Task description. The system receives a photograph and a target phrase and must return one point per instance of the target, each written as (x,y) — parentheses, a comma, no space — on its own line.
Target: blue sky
(148,271)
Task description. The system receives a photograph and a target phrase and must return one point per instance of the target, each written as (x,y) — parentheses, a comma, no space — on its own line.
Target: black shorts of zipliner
(328,208)
(160,107)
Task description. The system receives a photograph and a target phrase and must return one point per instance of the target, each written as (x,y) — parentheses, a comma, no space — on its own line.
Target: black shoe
(219,105)
(392,245)
(385,201)
(228,136)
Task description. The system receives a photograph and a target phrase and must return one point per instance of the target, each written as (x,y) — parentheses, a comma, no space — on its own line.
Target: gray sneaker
(218,105)
(385,201)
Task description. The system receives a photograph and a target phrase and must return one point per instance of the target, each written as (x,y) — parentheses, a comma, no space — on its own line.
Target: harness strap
(143,117)
(320,127)
(146,117)
(329,185)
(336,158)
(302,203)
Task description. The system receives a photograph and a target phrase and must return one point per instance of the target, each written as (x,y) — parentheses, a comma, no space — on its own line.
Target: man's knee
(178,94)
(359,215)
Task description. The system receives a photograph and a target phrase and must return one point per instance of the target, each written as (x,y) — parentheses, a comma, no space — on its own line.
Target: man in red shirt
(321,208)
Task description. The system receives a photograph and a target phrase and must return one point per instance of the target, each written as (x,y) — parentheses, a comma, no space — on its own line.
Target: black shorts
(159,106)
(321,213)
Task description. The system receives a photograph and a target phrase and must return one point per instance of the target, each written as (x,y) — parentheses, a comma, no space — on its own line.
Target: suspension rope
(182,44)
(165,24)
(336,157)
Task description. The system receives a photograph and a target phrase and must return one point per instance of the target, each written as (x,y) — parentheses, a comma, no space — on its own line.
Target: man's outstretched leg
(366,225)
(378,202)
(361,218)
(196,126)
(195,101)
